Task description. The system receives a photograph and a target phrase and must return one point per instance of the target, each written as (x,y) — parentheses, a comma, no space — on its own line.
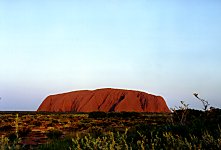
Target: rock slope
(106,100)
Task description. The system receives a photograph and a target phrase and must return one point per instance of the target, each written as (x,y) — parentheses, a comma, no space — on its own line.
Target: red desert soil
(106,100)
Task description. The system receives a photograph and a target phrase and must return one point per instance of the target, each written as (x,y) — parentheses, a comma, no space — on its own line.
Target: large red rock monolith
(106,100)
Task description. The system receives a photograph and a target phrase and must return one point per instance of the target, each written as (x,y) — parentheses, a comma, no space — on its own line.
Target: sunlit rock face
(107,100)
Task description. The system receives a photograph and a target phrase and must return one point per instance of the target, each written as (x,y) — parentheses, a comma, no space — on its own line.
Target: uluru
(106,100)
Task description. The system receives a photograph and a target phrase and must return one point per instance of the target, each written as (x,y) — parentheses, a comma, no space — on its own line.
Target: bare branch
(205,102)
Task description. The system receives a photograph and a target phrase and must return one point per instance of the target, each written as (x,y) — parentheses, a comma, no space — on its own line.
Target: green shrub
(63,144)
(37,123)
(54,134)
(123,114)
(12,136)
(6,128)
(24,132)
(97,114)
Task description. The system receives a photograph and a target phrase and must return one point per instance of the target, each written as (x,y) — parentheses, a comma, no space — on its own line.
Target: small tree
(204,102)
(181,112)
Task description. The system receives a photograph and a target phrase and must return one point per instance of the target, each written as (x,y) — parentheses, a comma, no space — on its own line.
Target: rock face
(106,100)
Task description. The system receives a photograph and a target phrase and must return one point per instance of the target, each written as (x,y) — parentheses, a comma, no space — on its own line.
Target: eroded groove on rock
(115,104)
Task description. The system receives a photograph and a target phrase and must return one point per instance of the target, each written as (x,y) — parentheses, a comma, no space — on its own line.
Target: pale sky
(164,47)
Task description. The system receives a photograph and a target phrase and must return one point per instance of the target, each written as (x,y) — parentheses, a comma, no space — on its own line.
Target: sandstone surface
(106,100)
